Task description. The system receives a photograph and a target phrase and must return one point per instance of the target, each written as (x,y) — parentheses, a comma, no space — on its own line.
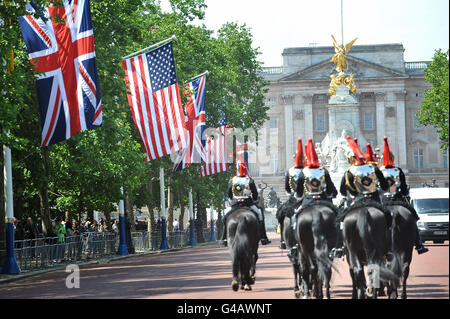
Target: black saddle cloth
(314,202)
(393,202)
(365,202)
(239,205)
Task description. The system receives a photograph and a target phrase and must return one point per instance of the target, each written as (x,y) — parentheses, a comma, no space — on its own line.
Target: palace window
(418,158)
(274,163)
(417,125)
(368,121)
(273,125)
(320,122)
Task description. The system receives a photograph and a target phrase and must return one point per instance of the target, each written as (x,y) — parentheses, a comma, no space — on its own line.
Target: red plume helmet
(370,156)
(306,156)
(313,159)
(355,148)
(387,159)
(299,156)
(243,170)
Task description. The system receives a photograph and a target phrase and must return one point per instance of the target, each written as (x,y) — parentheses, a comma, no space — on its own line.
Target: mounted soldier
(292,188)
(398,190)
(243,193)
(314,226)
(360,181)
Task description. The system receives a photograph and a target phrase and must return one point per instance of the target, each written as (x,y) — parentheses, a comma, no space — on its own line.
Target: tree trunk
(107,220)
(43,193)
(69,216)
(2,211)
(130,213)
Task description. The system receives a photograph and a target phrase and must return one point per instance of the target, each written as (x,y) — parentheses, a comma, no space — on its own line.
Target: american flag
(67,86)
(155,101)
(195,109)
(216,151)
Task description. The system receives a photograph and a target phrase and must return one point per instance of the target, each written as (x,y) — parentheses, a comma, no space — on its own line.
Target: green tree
(435,106)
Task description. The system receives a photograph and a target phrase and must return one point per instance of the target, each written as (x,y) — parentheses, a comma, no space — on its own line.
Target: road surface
(204,272)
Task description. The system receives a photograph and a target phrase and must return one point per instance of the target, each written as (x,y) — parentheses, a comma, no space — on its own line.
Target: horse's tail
(242,243)
(374,249)
(396,263)
(321,249)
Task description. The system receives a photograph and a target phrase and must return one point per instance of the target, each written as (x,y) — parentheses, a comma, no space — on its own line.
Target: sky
(422,26)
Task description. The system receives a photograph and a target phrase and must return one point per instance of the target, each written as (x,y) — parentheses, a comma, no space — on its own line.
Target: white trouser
(257,211)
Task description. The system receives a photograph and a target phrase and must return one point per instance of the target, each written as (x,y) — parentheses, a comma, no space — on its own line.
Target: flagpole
(150,47)
(197,76)
(10,264)
(192,241)
(164,243)
(122,250)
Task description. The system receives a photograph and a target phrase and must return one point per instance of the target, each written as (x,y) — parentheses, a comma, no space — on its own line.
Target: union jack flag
(155,101)
(195,109)
(216,151)
(63,54)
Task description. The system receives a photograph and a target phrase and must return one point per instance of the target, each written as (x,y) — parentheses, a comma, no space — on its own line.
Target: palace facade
(389,93)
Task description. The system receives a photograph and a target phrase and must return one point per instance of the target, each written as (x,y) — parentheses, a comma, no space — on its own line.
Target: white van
(432,206)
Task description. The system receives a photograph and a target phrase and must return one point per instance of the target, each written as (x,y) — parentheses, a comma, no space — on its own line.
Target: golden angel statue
(341,52)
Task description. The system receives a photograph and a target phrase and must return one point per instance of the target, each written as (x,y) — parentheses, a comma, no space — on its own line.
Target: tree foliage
(435,106)
(86,172)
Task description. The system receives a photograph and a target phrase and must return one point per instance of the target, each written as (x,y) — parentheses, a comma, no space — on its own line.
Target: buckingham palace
(389,92)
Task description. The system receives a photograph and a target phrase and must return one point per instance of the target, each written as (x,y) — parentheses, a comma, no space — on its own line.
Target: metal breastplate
(314,181)
(365,179)
(294,175)
(241,187)
(392,176)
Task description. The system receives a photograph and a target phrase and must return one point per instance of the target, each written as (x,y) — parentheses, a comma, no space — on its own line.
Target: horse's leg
(327,283)
(405,277)
(235,282)
(352,275)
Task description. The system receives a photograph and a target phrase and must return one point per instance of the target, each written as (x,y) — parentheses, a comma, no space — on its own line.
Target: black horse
(291,246)
(403,234)
(315,233)
(365,237)
(243,237)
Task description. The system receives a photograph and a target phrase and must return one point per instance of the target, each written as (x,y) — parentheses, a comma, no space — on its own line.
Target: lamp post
(164,244)
(192,241)
(122,250)
(10,264)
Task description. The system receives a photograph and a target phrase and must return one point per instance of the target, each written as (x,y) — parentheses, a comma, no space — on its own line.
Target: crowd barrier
(41,253)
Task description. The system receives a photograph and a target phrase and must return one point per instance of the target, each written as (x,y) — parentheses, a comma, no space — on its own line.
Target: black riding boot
(262,232)
(421,249)
(282,243)
(224,235)
(338,250)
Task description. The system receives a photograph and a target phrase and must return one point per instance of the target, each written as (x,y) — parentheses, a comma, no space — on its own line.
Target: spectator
(102,226)
(175,225)
(94,226)
(61,232)
(70,239)
(52,240)
(18,230)
(30,229)
(76,229)
(115,226)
